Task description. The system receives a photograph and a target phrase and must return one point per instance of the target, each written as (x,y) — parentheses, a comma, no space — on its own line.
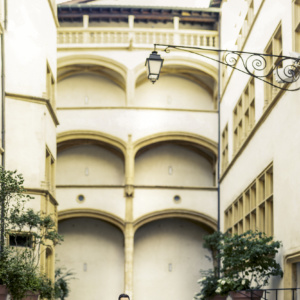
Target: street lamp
(154,64)
(286,70)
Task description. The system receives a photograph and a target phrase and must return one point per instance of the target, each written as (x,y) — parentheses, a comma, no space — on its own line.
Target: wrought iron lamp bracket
(268,68)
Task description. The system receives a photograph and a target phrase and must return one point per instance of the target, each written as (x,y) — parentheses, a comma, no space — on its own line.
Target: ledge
(38,100)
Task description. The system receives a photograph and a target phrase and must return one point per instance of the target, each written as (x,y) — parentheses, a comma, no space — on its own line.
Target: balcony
(68,37)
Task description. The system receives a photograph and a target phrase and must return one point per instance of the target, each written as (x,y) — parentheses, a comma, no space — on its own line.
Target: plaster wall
(87,90)
(110,200)
(143,122)
(26,148)
(173,92)
(30,41)
(173,165)
(94,165)
(97,258)
(272,13)
(275,140)
(134,60)
(168,256)
(150,200)
(278,144)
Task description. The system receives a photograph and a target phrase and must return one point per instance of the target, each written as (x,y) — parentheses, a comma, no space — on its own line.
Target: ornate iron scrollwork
(265,67)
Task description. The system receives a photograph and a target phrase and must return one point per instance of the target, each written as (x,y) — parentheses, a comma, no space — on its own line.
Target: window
(20,240)
(225,148)
(253,209)
(50,88)
(244,115)
(249,18)
(50,172)
(296,25)
(274,47)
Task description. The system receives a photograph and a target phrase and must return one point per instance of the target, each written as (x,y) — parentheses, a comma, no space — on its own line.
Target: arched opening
(95,165)
(168,256)
(174,163)
(175,91)
(89,89)
(93,250)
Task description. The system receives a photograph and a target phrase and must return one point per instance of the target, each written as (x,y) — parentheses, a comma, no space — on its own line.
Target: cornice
(136,108)
(43,192)
(37,100)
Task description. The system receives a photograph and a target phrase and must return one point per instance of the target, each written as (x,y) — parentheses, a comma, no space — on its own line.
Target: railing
(120,37)
(271,294)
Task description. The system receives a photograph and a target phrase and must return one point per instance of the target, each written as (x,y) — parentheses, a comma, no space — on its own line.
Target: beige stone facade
(130,169)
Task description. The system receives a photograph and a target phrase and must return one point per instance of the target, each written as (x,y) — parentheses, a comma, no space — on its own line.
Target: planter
(244,295)
(31,296)
(3,292)
(217,297)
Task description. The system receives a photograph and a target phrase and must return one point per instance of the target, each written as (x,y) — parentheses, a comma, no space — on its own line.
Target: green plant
(208,285)
(227,284)
(20,266)
(241,262)
(214,243)
(250,257)
(61,287)
(209,282)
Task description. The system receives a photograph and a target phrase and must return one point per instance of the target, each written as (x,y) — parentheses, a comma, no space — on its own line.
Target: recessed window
(254,208)
(80,198)
(20,240)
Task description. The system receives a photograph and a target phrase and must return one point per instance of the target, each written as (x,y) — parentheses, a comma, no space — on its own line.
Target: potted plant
(209,287)
(20,263)
(248,262)
(209,283)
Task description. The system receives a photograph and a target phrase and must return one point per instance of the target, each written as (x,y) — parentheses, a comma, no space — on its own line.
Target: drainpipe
(219,119)
(3,121)
(3,85)
(219,132)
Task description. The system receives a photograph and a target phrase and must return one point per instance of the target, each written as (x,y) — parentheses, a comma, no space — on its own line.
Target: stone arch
(184,67)
(210,148)
(117,72)
(92,213)
(67,139)
(208,222)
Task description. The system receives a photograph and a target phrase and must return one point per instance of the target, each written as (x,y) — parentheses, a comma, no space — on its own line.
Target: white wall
(94,165)
(93,250)
(173,165)
(174,92)
(86,90)
(168,256)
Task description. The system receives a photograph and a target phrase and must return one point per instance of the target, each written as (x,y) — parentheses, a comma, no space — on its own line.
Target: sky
(168,3)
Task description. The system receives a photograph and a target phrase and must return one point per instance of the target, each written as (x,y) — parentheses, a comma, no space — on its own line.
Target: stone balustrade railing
(120,37)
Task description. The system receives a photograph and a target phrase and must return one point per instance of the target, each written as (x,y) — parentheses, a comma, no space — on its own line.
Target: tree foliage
(20,266)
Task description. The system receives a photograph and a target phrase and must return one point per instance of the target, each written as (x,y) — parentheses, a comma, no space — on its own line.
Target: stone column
(129,231)
(129,163)
(131,33)
(129,250)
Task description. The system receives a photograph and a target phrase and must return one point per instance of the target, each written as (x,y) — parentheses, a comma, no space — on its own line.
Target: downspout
(219,133)
(2,233)
(219,119)
(3,86)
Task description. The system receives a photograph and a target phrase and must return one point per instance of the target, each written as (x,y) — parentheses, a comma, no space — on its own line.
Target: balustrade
(101,37)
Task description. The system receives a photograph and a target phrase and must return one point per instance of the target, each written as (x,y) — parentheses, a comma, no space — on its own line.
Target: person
(124,297)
